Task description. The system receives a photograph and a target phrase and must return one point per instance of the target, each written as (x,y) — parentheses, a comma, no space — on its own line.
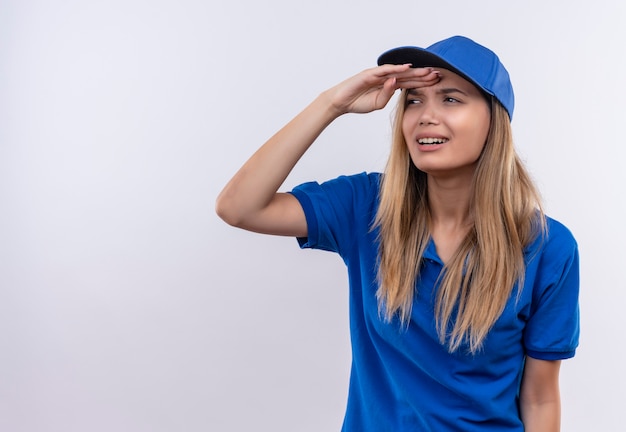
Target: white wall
(126,305)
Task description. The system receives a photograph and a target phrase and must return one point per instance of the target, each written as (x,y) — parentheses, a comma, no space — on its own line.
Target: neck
(449,202)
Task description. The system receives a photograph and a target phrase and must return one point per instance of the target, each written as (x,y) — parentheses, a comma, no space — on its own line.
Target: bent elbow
(227,211)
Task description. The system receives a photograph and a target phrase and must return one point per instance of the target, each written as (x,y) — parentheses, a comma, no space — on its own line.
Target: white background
(127,305)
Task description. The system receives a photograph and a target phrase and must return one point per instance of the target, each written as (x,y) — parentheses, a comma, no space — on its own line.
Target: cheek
(481,134)
(478,144)
(410,125)
(479,131)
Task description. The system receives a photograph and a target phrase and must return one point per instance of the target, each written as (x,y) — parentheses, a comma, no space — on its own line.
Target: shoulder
(363,180)
(555,237)
(346,197)
(555,252)
(558,238)
(356,185)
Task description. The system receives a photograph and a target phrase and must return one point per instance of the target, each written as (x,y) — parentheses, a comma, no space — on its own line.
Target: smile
(431,141)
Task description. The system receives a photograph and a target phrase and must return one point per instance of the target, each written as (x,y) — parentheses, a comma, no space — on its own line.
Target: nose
(428,115)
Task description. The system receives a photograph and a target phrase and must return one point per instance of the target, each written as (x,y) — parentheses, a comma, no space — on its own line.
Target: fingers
(373,88)
(404,70)
(405,76)
(418,78)
(387,91)
(388,69)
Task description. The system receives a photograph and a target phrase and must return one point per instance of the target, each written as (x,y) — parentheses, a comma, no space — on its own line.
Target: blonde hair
(480,277)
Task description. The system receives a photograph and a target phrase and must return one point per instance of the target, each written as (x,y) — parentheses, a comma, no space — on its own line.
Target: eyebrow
(448,90)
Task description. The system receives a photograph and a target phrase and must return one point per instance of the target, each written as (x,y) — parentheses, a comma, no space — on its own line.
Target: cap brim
(418,58)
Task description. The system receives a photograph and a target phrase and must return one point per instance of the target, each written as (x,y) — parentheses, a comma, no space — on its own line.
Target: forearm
(256,183)
(541,417)
(540,397)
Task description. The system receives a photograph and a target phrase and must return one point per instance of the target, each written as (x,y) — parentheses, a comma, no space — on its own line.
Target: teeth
(432,140)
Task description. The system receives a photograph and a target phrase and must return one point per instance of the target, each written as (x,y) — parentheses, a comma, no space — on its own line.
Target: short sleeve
(553,328)
(334,209)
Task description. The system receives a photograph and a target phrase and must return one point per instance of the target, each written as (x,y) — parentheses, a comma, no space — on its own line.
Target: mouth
(432,141)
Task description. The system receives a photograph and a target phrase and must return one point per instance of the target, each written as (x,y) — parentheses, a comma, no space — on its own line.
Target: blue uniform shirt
(403,379)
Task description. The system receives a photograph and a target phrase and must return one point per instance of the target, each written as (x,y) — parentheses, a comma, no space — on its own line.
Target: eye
(413,101)
(450,99)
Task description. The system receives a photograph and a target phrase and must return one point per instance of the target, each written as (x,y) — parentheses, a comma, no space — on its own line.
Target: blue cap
(463,56)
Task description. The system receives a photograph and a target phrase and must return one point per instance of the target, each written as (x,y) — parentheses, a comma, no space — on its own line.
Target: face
(446,125)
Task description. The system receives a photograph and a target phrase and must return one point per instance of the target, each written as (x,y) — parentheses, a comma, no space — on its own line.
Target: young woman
(463,294)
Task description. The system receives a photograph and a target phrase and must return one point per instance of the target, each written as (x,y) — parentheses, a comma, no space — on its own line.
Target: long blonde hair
(480,277)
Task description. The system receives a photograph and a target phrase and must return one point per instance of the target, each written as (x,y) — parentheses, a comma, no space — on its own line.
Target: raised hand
(372,89)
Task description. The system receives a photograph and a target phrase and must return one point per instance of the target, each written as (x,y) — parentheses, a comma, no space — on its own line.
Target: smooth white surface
(127,305)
